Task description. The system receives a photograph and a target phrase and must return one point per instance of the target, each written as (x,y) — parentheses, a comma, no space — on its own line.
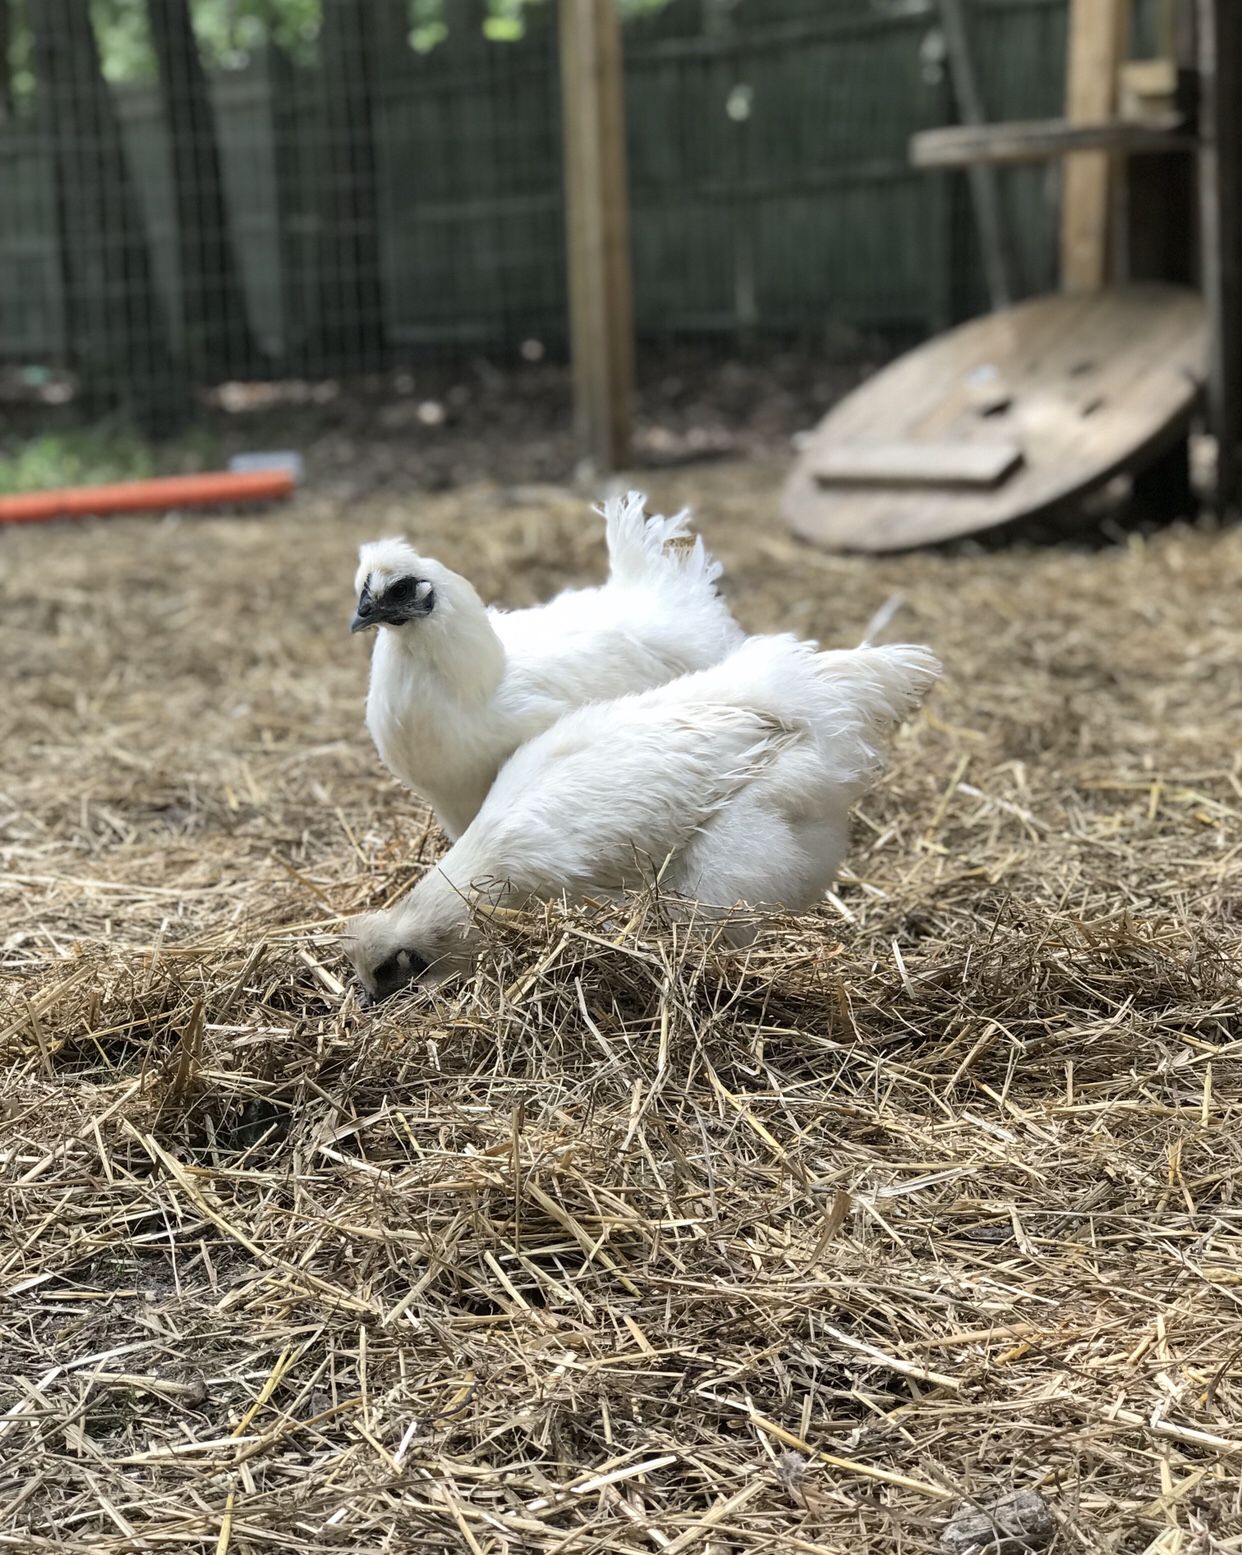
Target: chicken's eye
(401,589)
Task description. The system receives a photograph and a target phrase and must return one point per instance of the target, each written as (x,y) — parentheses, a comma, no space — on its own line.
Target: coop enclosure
(194,191)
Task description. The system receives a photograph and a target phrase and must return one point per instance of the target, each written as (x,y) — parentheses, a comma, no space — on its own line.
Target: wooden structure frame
(1030,407)
(1097,143)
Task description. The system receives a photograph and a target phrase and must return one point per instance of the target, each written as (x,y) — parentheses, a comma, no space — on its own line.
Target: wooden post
(597,230)
(1098,31)
(1220,232)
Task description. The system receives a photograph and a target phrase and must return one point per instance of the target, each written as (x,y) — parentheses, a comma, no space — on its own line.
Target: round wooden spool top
(1003,418)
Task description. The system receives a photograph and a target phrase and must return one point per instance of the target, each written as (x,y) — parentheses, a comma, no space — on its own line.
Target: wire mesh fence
(198,191)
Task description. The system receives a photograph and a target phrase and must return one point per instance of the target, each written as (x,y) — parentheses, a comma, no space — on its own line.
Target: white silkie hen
(455,688)
(734,785)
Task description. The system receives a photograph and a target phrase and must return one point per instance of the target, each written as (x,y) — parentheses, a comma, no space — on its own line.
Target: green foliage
(20,63)
(230,32)
(124,42)
(427,24)
(78,458)
(97,455)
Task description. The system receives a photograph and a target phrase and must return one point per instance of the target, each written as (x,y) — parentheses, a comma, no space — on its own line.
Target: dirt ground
(630,1245)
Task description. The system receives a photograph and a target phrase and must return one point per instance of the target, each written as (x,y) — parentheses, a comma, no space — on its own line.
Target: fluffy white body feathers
(734,784)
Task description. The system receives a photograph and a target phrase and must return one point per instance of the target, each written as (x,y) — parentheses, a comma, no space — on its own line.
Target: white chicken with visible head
(456,687)
(733,785)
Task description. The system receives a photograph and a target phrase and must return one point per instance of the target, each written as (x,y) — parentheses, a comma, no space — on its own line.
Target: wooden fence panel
(770,185)
(32,308)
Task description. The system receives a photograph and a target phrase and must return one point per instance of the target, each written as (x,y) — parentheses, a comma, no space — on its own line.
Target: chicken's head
(408,943)
(394,585)
(383,964)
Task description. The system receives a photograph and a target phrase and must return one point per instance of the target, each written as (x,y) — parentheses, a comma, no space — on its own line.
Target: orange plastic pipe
(174,491)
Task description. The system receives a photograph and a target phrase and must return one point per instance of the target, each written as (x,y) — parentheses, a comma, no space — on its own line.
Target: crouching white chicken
(733,784)
(456,688)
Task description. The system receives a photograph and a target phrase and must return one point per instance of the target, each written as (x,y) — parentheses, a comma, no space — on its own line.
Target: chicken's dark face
(387,601)
(391,975)
(391,949)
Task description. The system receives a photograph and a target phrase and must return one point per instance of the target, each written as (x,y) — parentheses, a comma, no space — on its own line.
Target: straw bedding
(631,1245)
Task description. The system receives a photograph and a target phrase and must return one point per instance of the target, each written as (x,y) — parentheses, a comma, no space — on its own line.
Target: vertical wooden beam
(1220,232)
(1098,34)
(597,229)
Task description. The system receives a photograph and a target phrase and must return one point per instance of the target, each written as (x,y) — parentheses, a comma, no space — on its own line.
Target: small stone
(1012,1525)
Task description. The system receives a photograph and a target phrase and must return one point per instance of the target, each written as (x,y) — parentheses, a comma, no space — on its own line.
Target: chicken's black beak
(365,614)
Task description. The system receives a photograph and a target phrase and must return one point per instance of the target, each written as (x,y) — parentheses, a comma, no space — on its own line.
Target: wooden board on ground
(969,465)
(1094,385)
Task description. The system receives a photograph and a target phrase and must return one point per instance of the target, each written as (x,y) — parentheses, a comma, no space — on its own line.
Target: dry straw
(632,1244)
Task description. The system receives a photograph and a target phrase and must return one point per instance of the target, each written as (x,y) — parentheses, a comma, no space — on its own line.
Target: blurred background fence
(195,191)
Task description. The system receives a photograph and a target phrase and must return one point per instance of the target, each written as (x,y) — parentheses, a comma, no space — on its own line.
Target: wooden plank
(1042,140)
(1220,233)
(1147,86)
(597,230)
(1096,384)
(938,464)
(1097,41)
(984,193)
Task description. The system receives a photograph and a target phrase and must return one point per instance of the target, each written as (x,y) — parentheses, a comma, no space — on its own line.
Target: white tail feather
(869,690)
(645,550)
